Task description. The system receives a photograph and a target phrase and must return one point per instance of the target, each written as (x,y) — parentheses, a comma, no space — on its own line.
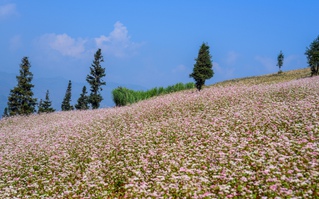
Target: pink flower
(273,187)
(182,169)
(244,179)
(206,194)
(290,171)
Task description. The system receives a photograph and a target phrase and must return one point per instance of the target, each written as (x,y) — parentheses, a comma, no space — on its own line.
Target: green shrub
(123,96)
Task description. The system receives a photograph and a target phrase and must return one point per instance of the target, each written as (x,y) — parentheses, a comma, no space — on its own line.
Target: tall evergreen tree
(312,53)
(5,112)
(66,106)
(203,67)
(280,61)
(46,105)
(95,80)
(40,108)
(83,101)
(20,100)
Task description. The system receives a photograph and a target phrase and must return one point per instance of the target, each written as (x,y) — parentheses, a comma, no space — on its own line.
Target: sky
(155,43)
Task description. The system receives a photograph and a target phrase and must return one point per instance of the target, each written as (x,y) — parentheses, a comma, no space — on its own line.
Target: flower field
(227,141)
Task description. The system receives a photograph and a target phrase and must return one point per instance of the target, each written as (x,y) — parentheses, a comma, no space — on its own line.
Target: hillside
(245,138)
(270,78)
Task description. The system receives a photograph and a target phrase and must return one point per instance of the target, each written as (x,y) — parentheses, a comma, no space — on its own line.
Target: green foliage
(5,112)
(312,53)
(83,101)
(280,61)
(203,67)
(123,96)
(46,105)
(95,80)
(20,100)
(66,106)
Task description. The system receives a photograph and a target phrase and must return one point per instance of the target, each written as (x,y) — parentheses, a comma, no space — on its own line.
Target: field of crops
(227,141)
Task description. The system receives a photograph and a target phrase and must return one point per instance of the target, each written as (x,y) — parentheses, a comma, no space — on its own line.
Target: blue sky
(154,43)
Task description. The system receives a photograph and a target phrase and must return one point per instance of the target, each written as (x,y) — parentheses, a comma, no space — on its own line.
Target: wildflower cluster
(234,141)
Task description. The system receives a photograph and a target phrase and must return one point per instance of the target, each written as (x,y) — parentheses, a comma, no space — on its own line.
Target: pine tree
(312,53)
(95,80)
(5,112)
(66,106)
(280,61)
(203,67)
(40,108)
(83,101)
(20,100)
(46,105)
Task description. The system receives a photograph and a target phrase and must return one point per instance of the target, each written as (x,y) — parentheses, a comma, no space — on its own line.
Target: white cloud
(232,57)
(119,35)
(179,69)
(118,43)
(222,72)
(64,44)
(268,63)
(216,67)
(292,60)
(7,10)
(15,43)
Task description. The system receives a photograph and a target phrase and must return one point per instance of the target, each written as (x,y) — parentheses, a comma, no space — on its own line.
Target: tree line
(21,101)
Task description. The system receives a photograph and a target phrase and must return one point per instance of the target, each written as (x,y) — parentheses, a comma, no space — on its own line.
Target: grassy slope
(237,137)
(270,79)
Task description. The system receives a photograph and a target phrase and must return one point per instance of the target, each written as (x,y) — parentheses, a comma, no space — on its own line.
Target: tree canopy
(66,106)
(20,100)
(203,67)
(97,72)
(83,101)
(280,60)
(5,112)
(45,106)
(312,53)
